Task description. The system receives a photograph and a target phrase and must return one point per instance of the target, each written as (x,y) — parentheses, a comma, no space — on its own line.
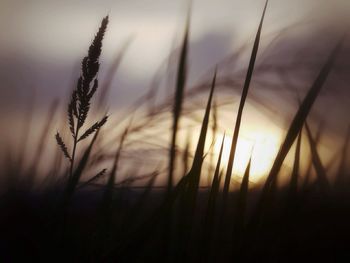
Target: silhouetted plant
(79,105)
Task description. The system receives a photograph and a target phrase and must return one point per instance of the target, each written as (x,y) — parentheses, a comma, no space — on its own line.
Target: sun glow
(261,146)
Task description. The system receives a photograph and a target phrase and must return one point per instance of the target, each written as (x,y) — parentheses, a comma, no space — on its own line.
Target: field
(81,194)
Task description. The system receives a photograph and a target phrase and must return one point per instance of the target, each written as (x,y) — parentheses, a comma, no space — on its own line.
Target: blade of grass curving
(307,176)
(240,112)
(190,193)
(293,131)
(178,101)
(94,178)
(301,114)
(316,160)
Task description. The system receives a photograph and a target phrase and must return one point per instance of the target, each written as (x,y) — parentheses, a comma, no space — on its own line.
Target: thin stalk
(75,142)
(240,112)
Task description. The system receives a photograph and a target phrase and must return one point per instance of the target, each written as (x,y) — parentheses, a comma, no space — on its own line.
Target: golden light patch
(261,146)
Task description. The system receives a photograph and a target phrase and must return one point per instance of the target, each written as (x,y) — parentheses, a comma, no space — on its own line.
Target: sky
(43,41)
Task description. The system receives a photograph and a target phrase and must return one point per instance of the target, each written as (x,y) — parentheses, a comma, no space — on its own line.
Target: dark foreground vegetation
(313,228)
(72,220)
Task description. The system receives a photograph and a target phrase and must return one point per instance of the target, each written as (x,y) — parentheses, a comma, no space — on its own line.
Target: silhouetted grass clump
(102,219)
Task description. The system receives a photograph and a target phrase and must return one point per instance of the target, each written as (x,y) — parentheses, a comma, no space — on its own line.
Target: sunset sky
(43,42)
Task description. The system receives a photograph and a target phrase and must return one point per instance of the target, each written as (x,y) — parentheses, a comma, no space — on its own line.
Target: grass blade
(190,194)
(307,176)
(211,206)
(186,154)
(320,170)
(293,131)
(214,129)
(215,185)
(178,101)
(240,111)
(93,179)
(198,157)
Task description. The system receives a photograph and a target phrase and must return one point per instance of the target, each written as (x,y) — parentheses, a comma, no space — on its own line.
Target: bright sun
(262,146)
